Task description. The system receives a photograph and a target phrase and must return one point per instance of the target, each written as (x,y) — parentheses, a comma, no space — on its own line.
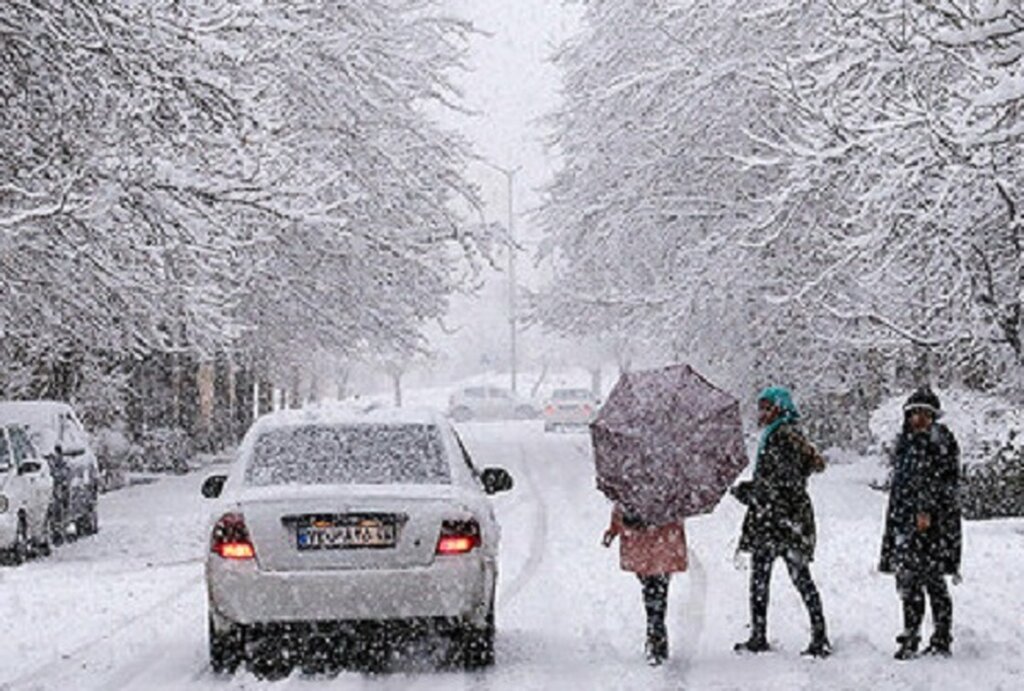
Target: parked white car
(334,526)
(58,436)
(26,491)
(488,403)
(569,408)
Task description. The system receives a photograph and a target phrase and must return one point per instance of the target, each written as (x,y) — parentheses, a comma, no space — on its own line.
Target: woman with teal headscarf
(780,518)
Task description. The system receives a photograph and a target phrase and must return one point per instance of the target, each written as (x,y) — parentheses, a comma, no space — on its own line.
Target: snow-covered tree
(795,191)
(901,140)
(361,236)
(643,219)
(251,176)
(101,251)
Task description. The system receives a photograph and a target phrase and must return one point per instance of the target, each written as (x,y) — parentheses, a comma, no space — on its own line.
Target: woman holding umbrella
(780,518)
(667,444)
(653,553)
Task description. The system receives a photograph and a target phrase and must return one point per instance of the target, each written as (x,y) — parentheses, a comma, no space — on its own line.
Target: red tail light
(230,538)
(458,537)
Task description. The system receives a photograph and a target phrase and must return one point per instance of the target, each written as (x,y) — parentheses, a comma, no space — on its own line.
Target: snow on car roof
(333,413)
(347,413)
(31,412)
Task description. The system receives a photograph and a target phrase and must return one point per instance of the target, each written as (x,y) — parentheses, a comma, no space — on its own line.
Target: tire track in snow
(538,537)
(50,670)
(695,610)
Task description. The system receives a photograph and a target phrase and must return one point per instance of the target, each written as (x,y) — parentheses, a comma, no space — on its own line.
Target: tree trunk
(540,380)
(396,384)
(341,381)
(295,391)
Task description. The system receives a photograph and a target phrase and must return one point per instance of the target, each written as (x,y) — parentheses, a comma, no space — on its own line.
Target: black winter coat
(780,517)
(925,479)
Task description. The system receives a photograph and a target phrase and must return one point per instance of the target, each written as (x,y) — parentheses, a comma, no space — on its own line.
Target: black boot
(908,646)
(656,649)
(757,643)
(819,646)
(940,644)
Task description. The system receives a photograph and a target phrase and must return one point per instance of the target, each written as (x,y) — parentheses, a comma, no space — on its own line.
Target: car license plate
(345,532)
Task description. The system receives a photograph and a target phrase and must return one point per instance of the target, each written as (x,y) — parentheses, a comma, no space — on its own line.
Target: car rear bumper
(580,419)
(452,587)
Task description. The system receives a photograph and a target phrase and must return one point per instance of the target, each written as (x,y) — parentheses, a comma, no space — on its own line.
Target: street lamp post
(510,174)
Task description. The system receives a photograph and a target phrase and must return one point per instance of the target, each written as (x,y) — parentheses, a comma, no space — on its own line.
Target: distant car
(59,437)
(489,403)
(569,408)
(26,492)
(337,528)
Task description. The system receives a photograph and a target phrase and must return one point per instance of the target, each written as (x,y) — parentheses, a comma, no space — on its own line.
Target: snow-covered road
(126,608)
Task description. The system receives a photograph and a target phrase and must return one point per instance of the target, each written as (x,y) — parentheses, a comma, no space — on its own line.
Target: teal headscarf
(780,397)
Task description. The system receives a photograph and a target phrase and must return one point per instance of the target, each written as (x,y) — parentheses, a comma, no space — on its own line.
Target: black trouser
(656,604)
(912,586)
(760,582)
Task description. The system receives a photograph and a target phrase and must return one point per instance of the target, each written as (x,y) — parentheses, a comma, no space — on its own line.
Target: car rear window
(571,394)
(40,422)
(365,454)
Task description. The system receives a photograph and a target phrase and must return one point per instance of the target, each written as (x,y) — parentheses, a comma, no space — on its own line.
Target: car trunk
(346,529)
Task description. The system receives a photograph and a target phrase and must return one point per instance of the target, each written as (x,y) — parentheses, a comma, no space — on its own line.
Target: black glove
(744,492)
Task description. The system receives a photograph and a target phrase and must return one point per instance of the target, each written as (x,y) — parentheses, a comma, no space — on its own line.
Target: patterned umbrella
(667,444)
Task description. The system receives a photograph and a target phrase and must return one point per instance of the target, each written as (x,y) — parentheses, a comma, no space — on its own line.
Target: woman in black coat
(779,522)
(922,540)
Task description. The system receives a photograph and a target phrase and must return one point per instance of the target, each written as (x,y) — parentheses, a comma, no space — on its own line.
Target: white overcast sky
(512,84)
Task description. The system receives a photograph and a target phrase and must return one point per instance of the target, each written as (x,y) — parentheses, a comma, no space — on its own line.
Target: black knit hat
(923,398)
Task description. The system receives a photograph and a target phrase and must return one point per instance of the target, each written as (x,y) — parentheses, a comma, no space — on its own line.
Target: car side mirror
(29,467)
(496,480)
(213,486)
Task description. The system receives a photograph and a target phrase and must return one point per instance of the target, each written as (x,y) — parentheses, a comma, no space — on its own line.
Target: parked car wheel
(15,555)
(227,648)
(476,643)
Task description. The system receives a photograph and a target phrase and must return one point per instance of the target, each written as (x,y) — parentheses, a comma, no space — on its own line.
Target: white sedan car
(26,494)
(333,528)
(570,408)
(489,403)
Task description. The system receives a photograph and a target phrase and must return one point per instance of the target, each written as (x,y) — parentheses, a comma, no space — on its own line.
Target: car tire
(227,648)
(16,554)
(476,643)
(462,414)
